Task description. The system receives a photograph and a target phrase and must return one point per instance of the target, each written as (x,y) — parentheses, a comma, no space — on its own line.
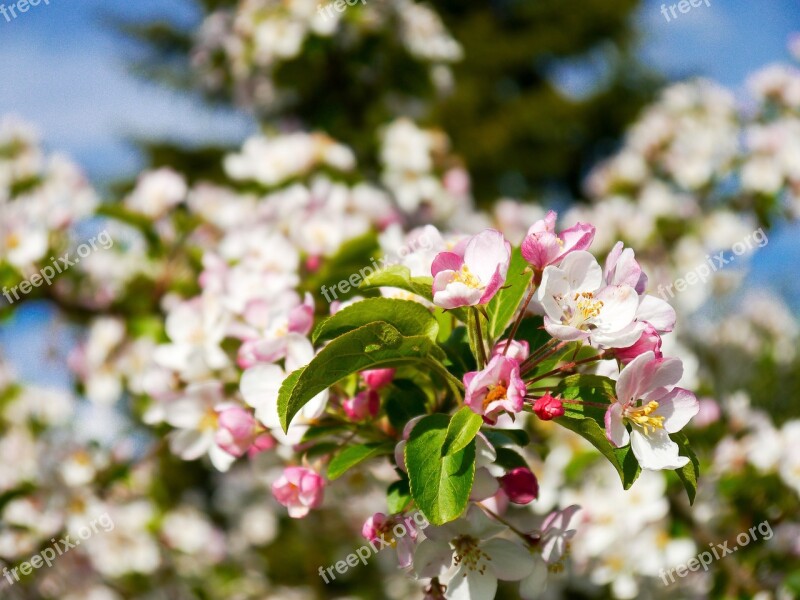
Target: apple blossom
(299,489)
(473,272)
(577,306)
(239,433)
(649,341)
(542,247)
(647,400)
(517,349)
(495,389)
(467,557)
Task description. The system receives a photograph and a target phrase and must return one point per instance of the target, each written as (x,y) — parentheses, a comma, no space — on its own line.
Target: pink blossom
(473,272)
(240,433)
(375,379)
(648,402)
(548,408)
(299,489)
(398,531)
(301,318)
(497,388)
(621,268)
(520,485)
(517,349)
(374,526)
(542,246)
(649,341)
(362,405)
(708,413)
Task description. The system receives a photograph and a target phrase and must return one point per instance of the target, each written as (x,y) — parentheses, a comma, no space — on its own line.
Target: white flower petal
(656,450)
(510,561)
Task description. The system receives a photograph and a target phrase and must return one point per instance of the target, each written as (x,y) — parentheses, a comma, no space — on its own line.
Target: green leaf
(398,496)
(353,455)
(458,352)
(404,402)
(503,306)
(400,277)
(372,346)
(408,317)
(691,472)
(463,428)
(508,459)
(507,437)
(440,485)
(589,421)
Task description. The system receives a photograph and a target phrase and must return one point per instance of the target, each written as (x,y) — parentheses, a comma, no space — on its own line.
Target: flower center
(468,553)
(466,277)
(496,392)
(208,422)
(13,241)
(641,415)
(586,306)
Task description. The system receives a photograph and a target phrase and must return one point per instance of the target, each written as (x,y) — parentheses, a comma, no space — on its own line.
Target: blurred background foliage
(518,132)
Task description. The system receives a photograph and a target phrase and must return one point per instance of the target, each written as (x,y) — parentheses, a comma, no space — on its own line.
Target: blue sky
(64,70)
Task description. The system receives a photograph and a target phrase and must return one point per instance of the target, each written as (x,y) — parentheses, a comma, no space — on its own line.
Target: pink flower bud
(236,430)
(299,489)
(542,246)
(649,341)
(520,485)
(362,405)
(301,318)
(374,526)
(261,444)
(548,408)
(375,379)
(519,350)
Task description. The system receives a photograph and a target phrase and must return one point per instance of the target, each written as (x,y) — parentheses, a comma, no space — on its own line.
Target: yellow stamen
(587,306)
(497,392)
(466,277)
(642,416)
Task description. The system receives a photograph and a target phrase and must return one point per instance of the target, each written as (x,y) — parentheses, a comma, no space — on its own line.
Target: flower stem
(523,307)
(497,517)
(479,340)
(570,366)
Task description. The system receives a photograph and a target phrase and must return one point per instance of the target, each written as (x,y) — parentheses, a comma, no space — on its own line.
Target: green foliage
(503,306)
(691,472)
(404,401)
(588,421)
(372,346)
(409,318)
(532,134)
(463,428)
(398,496)
(354,455)
(440,483)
